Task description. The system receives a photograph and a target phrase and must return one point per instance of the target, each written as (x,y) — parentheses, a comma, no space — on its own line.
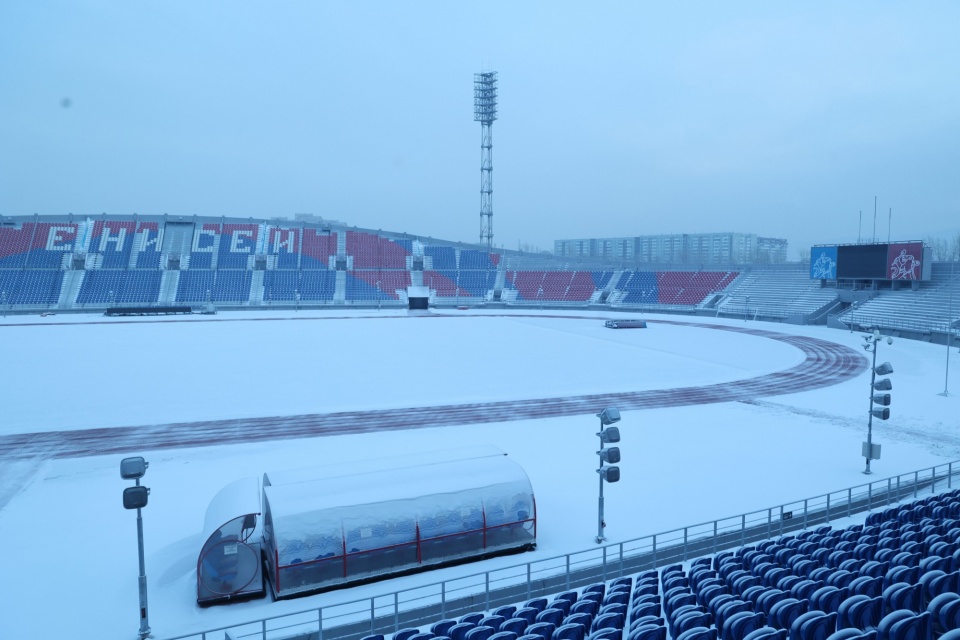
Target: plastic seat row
(595,614)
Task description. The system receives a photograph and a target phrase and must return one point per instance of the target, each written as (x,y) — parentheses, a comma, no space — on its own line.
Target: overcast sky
(616,119)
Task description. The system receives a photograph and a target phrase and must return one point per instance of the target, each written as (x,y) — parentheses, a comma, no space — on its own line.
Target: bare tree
(939,247)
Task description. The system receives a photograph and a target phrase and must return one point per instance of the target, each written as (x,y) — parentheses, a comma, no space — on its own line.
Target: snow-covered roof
(239,498)
(394,484)
(359,467)
(317,506)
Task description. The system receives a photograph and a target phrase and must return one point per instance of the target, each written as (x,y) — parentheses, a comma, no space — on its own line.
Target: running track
(826,363)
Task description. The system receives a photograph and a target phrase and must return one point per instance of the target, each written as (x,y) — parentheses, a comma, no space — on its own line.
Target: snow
(70,564)
(239,498)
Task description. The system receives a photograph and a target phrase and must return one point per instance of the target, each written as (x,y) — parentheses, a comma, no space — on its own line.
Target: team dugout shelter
(342,524)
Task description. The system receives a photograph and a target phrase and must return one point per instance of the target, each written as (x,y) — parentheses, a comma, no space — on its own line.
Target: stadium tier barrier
(791,575)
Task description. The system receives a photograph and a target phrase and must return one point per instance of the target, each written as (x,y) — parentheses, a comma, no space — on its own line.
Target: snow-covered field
(70,561)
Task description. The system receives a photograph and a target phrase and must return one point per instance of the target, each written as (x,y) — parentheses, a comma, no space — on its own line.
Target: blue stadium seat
(543,629)
(860,612)
(479,633)
(904,625)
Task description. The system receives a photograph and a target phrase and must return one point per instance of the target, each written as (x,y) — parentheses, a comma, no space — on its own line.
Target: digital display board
(862,261)
(874,261)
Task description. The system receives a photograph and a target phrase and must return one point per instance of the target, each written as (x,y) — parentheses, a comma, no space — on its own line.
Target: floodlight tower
(485,112)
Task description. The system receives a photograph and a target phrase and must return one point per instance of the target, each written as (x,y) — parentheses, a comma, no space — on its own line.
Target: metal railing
(422,605)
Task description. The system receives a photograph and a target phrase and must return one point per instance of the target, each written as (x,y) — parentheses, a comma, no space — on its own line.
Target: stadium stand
(920,310)
(65,263)
(111,243)
(443,283)
(282,285)
(100,287)
(318,248)
(480,260)
(238,243)
(14,245)
(478,284)
(284,243)
(895,577)
(196,285)
(639,287)
(440,258)
(776,293)
(35,287)
(371,251)
(147,244)
(318,286)
(206,240)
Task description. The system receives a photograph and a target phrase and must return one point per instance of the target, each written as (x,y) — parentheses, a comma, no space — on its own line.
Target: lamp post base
(945,394)
(600,540)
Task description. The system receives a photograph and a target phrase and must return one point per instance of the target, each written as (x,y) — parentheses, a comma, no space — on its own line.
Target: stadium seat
(904,625)
(479,633)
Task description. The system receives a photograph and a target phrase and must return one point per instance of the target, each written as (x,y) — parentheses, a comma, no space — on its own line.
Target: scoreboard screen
(875,261)
(862,261)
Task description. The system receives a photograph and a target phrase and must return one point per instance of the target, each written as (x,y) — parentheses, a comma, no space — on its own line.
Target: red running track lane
(826,364)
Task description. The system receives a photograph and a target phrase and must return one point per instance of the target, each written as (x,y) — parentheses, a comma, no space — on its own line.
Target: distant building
(679,248)
(771,250)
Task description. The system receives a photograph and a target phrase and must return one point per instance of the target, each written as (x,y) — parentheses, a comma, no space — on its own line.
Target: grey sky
(778,118)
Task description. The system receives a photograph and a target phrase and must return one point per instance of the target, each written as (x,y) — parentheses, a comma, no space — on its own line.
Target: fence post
(950,475)
(916,481)
(603,570)
(654,552)
(804,514)
(263,629)
(714,536)
(486,591)
(870,496)
(849,501)
(889,489)
(396,611)
(568,571)
(828,507)
(898,489)
(769,522)
(443,594)
(621,560)
(684,544)
(933,480)
(781,520)
(528,580)
(743,529)
(373,616)
(320,623)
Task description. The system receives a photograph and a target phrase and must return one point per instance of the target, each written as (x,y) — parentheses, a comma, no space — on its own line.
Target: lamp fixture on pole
(610,455)
(871,342)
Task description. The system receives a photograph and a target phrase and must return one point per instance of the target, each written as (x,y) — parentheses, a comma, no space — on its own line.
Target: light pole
(611,455)
(946,371)
(746,309)
(136,498)
(871,343)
